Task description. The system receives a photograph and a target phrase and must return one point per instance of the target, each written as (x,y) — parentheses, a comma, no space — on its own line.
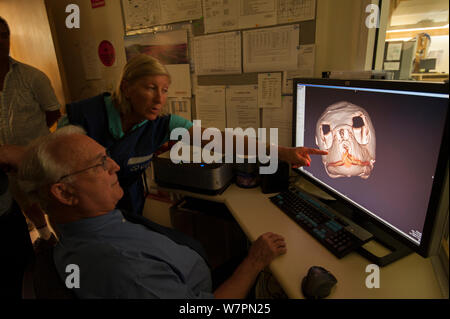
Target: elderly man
(76,182)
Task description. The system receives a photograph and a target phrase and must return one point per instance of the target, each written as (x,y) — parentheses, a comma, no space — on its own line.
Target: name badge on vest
(139,163)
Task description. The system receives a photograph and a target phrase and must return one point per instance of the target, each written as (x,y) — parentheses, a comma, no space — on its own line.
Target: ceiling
(423,13)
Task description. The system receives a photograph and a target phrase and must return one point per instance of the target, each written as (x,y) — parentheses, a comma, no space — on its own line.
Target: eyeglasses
(103,163)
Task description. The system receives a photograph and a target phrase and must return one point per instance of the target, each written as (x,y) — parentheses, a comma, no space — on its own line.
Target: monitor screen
(385,145)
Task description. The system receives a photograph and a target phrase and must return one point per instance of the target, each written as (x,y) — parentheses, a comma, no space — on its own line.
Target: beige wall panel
(31,39)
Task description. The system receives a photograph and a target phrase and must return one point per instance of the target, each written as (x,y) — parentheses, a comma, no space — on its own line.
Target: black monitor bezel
(436,193)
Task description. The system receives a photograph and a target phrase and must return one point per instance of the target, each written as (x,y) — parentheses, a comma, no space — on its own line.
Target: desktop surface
(408,278)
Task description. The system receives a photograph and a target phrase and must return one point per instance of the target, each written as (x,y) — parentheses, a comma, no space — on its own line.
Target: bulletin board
(229,46)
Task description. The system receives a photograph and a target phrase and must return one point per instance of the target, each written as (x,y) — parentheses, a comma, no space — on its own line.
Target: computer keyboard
(328,228)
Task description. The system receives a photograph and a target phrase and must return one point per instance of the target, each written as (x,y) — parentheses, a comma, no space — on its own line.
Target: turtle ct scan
(346,132)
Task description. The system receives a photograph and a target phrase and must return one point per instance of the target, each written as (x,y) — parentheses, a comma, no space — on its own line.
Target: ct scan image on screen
(382,149)
(346,132)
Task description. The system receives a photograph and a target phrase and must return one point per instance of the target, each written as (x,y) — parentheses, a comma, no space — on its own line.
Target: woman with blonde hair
(130,126)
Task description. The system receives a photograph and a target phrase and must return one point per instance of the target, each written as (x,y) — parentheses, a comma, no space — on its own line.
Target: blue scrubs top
(132,151)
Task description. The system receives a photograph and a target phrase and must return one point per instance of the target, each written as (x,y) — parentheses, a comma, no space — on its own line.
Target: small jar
(246,175)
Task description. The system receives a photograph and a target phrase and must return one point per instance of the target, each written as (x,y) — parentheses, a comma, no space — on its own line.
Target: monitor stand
(390,248)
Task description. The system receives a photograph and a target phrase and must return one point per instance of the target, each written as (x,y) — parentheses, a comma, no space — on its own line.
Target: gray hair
(40,168)
(139,66)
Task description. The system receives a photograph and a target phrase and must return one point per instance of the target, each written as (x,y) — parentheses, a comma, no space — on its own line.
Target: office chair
(41,279)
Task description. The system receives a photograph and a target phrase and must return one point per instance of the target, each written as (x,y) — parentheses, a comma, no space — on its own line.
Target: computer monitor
(387,144)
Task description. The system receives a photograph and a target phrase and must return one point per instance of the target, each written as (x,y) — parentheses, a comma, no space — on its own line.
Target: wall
(343,42)
(96,25)
(31,40)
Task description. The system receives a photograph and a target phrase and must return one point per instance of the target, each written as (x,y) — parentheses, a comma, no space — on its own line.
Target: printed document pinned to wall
(180,85)
(257,13)
(141,14)
(296,10)
(180,10)
(210,106)
(227,15)
(218,53)
(89,59)
(271,49)
(180,106)
(269,90)
(305,67)
(220,15)
(282,119)
(242,106)
(394,51)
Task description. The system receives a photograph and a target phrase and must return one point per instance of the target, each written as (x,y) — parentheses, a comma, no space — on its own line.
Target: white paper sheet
(180,10)
(221,15)
(140,14)
(394,51)
(280,118)
(89,58)
(242,107)
(218,53)
(210,106)
(296,10)
(257,13)
(269,90)
(180,106)
(180,85)
(271,49)
(305,67)
(391,66)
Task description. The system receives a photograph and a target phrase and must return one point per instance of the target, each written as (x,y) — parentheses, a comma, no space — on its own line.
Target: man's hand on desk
(298,156)
(266,248)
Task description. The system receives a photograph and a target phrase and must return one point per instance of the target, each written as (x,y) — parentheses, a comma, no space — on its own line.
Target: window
(416,39)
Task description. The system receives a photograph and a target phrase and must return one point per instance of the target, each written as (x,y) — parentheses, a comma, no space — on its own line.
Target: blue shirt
(115,124)
(119,259)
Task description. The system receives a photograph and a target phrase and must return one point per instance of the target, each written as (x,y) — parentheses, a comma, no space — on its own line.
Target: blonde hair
(139,66)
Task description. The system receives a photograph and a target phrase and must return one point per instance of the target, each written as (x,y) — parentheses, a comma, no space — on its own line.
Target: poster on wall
(141,14)
(168,47)
(271,49)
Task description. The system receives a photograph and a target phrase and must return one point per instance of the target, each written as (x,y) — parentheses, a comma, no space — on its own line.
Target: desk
(430,76)
(409,277)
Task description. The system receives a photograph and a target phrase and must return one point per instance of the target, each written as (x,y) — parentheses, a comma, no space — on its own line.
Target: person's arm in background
(51,117)
(45,96)
(266,248)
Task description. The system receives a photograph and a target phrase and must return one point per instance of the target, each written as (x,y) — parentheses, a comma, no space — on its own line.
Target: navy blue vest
(133,152)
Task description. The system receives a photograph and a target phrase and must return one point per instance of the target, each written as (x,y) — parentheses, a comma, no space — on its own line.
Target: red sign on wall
(97,3)
(106,53)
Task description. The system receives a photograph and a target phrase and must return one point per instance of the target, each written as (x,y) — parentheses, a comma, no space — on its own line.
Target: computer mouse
(318,283)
